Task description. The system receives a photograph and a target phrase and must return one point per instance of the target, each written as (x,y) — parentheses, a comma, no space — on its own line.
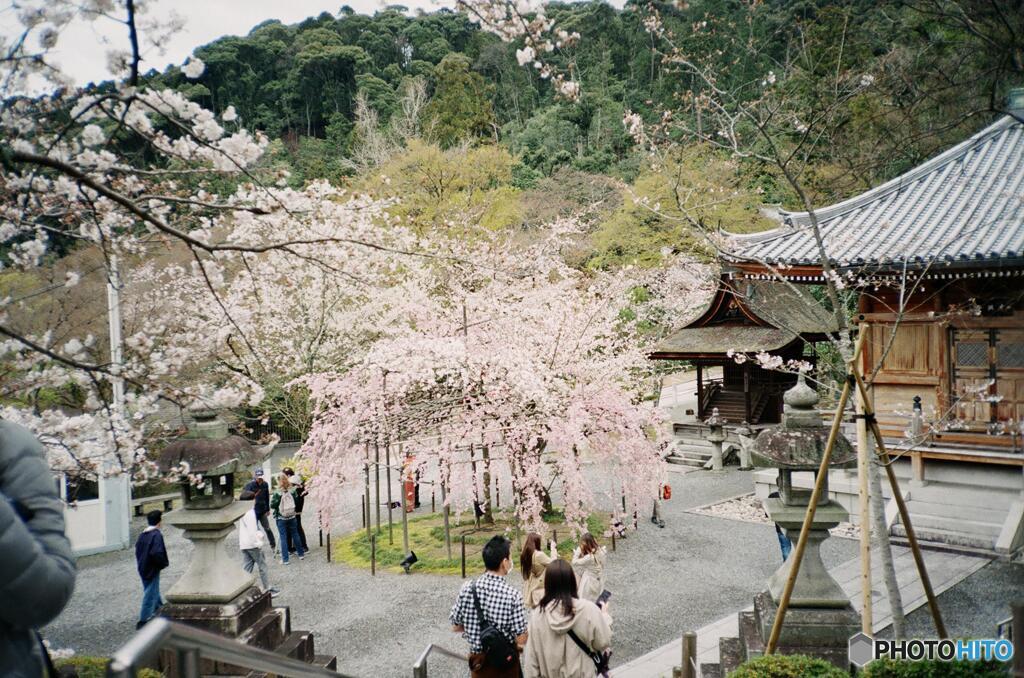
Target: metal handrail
(419,669)
(192,645)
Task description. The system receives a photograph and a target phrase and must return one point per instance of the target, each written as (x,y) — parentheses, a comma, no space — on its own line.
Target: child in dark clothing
(151,557)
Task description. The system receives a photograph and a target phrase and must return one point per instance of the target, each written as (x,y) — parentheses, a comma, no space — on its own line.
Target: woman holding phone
(588,562)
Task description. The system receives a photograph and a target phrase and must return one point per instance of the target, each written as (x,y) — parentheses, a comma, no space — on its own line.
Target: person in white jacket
(551,652)
(251,540)
(588,562)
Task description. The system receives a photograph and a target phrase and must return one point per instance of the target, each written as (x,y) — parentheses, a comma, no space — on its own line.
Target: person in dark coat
(261,504)
(37,571)
(151,557)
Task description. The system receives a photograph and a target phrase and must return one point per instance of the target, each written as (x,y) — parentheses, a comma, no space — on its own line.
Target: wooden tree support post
(447,526)
(613,540)
(328,546)
(886,461)
(863,459)
(373,555)
(387,473)
(376,480)
(366,489)
(688,667)
(463,556)
(798,553)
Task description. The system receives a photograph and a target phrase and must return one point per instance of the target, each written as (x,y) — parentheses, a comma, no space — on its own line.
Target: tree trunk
(884,548)
(488,517)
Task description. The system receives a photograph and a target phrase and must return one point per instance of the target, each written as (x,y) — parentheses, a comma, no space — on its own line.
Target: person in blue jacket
(151,557)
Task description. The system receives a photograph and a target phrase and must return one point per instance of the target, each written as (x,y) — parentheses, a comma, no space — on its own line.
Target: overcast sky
(82,48)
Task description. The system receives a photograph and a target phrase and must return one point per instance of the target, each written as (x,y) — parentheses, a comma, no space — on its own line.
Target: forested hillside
(933,72)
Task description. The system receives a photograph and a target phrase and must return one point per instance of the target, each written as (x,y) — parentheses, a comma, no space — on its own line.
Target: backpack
(286,509)
(501,653)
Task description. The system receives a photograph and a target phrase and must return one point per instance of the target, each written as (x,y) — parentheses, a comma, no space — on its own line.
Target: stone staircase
(691,447)
(753,627)
(254,621)
(956,518)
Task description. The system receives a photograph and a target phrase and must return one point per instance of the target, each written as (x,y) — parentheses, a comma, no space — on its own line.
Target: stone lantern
(210,509)
(716,436)
(820,619)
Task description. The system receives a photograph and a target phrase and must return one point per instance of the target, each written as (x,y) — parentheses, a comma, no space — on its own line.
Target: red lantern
(666,492)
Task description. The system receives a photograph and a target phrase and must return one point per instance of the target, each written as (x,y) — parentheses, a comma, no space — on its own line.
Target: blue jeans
(150,598)
(784,543)
(289,528)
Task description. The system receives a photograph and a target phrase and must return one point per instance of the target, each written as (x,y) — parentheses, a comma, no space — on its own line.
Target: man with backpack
(490,615)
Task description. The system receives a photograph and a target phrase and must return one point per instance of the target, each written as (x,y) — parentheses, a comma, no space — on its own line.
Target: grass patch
(94,667)
(426,538)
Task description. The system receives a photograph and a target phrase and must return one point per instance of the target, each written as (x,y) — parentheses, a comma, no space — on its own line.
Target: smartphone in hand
(603,598)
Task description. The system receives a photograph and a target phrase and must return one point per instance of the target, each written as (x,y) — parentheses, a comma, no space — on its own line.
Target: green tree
(461,104)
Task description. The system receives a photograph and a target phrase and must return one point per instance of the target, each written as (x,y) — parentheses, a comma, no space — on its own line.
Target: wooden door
(1009,368)
(973,380)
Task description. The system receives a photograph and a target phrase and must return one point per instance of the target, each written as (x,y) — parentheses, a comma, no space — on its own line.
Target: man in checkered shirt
(501,604)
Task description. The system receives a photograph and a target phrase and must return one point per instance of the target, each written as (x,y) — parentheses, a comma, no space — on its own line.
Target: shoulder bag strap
(594,656)
(481,619)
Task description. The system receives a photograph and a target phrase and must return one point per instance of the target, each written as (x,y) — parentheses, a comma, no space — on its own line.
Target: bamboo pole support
(463,556)
(867,612)
(883,454)
(373,555)
(805,529)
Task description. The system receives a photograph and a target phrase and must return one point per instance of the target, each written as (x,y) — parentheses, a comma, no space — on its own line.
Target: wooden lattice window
(988,376)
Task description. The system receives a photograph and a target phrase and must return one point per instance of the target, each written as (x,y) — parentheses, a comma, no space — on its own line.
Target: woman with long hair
(588,562)
(560,625)
(532,563)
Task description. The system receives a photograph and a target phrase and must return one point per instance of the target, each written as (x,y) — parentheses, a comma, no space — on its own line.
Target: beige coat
(533,587)
(551,653)
(589,573)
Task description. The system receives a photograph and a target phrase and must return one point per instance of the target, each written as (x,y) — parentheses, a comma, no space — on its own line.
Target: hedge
(787,666)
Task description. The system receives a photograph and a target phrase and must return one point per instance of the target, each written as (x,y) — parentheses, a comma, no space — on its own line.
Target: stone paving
(663,581)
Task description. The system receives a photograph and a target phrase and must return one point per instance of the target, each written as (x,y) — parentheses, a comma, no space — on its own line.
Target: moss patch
(426,538)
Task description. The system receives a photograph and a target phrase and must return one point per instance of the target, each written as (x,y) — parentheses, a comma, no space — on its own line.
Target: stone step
(325,662)
(685,461)
(298,645)
(693,441)
(267,633)
(750,636)
(940,538)
(711,671)
(693,450)
(984,513)
(982,530)
(951,494)
(730,652)
(973,551)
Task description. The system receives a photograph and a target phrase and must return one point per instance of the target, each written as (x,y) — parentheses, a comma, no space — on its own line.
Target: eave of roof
(899,222)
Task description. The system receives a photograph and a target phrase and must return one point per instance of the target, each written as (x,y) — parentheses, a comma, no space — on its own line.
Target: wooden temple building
(937,259)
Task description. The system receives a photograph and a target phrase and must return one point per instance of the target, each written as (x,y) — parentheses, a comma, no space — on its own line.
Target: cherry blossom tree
(519,356)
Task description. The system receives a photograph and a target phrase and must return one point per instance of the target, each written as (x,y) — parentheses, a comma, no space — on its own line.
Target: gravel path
(665,581)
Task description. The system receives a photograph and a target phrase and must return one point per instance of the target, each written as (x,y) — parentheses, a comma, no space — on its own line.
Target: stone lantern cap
(798,443)
(209,449)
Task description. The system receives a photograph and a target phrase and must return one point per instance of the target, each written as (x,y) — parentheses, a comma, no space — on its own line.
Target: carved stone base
(822,632)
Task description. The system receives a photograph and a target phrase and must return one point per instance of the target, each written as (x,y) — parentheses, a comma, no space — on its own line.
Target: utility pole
(116,488)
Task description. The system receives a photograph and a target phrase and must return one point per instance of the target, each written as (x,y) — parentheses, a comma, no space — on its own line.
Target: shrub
(93,667)
(889,668)
(787,666)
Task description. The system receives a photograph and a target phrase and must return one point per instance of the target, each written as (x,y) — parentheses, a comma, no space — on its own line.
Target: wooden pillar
(700,392)
(746,391)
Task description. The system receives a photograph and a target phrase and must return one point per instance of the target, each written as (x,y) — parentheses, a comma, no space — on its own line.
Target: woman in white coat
(588,563)
(551,650)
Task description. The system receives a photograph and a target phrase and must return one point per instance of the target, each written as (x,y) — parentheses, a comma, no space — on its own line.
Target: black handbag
(601,659)
(500,652)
